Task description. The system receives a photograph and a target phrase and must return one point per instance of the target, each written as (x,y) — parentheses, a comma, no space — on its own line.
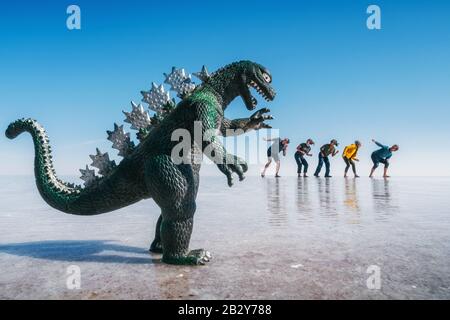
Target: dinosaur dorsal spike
(88,176)
(102,163)
(203,74)
(138,117)
(121,140)
(179,81)
(156,98)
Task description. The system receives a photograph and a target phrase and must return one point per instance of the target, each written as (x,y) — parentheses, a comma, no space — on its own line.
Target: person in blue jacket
(382,155)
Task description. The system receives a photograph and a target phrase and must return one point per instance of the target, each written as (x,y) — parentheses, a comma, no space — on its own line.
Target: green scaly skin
(149,171)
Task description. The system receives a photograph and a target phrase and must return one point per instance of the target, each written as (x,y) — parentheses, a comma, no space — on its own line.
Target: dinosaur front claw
(257,119)
(230,180)
(238,166)
(233,164)
(259,113)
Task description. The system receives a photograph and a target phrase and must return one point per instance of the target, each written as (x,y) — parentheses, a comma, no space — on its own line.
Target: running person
(382,156)
(349,156)
(277,146)
(325,151)
(302,150)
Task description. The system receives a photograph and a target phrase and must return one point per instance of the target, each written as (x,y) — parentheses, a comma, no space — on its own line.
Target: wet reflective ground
(270,238)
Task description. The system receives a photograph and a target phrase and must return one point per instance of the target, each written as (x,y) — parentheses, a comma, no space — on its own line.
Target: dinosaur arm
(226,162)
(242,125)
(234,127)
(213,148)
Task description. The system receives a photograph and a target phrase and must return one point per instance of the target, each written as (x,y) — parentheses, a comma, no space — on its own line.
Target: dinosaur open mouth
(254,85)
(263,91)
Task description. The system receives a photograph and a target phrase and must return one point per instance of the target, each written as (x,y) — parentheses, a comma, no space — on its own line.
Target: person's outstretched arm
(378,144)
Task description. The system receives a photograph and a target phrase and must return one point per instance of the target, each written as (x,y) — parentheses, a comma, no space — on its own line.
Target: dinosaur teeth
(259,90)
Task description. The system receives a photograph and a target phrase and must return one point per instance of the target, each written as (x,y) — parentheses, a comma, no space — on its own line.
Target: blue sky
(334,77)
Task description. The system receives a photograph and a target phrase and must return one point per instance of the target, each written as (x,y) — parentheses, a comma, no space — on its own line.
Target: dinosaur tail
(60,195)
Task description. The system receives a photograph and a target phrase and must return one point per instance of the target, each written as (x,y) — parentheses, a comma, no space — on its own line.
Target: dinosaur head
(239,79)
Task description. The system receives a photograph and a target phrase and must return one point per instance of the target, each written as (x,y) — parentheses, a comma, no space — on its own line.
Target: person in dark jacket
(303,149)
(325,151)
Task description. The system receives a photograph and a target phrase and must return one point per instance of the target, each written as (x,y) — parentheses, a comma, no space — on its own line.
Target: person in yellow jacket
(349,156)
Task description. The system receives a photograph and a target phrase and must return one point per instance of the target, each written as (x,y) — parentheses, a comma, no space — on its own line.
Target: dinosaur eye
(267,78)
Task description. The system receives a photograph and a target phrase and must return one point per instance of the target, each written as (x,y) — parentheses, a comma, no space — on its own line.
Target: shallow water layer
(284,238)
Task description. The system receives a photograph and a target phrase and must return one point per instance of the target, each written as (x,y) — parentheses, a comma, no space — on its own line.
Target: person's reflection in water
(326,198)
(351,200)
(384,206)
(303,202)
(276,203)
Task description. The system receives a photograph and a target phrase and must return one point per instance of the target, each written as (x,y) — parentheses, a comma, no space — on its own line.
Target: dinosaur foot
(156,247)
(194,257)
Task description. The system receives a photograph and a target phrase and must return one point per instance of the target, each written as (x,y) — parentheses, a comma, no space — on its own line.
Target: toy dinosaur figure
(147,169)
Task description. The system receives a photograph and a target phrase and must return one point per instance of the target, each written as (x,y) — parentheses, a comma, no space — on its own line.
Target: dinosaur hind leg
(156,246)
(174,189)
